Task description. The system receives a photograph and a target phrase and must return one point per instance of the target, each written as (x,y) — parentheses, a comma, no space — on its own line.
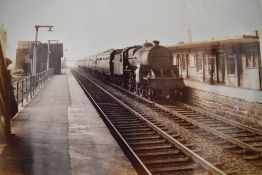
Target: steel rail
(203,126)
(258,131)
(138,164)
(205,164)
(213,131)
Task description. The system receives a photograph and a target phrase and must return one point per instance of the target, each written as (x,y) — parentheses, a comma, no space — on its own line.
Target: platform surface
(60,133)
(234,92)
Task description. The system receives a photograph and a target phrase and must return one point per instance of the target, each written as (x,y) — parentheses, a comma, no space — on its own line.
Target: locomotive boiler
(155,75)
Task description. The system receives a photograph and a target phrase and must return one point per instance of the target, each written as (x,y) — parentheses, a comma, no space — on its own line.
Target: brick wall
(232,108)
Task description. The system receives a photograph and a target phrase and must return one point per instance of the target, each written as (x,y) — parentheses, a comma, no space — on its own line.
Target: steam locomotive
(146,70)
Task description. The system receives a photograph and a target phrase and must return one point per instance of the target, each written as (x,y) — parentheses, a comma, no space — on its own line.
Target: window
(251,60)
(183,62)
(198,63)
(192,60)
(174,60)
(231,65)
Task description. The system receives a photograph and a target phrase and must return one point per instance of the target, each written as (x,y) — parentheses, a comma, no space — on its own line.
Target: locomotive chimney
(146,44)
(156,43)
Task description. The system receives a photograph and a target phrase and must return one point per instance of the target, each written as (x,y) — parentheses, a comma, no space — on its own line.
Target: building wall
(250,77)
(42,51)
(23,60)
(234,65)
(3,39)
(24,56)
(25,44)
(239,110)
(56,54)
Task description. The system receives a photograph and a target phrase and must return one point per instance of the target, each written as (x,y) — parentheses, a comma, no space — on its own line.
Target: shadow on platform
(16,158)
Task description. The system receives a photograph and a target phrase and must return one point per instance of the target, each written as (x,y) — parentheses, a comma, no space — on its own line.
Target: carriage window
(231,69)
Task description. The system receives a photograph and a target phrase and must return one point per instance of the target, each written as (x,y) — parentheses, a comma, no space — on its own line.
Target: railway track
(230,135)
(236,137)
(150,146)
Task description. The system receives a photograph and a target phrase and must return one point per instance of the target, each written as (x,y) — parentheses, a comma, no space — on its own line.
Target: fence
(27,87)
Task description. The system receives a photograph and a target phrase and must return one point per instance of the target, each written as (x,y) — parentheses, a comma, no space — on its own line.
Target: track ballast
(149,145)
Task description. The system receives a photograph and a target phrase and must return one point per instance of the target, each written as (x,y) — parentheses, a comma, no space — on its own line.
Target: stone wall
(239,110)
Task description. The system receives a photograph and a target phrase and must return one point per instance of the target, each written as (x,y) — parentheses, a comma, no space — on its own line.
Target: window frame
(232,59)
(253,63)
(198,61)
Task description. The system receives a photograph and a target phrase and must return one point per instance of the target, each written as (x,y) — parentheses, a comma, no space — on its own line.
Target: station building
(223,76)
(24,56)
(230,61)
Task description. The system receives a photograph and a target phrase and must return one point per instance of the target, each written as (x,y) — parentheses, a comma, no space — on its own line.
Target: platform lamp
(35,45)
(48,55)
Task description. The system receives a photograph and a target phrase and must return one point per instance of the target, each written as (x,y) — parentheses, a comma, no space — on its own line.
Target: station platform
(234,92)
(59,132)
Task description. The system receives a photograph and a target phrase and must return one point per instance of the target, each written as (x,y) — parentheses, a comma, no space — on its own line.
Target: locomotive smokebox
(157,57)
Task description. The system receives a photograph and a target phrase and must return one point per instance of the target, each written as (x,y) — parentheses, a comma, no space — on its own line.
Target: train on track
(147,70)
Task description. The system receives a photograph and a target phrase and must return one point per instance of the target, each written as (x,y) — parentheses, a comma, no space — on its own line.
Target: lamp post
(35,45)
(48,55)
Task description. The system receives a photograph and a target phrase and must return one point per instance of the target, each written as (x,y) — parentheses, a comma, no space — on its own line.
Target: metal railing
(26,88)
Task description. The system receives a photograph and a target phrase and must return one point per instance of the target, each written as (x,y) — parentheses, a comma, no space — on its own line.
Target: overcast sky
(90,26)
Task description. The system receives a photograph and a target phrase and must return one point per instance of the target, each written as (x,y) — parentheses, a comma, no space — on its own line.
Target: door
(221,68)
